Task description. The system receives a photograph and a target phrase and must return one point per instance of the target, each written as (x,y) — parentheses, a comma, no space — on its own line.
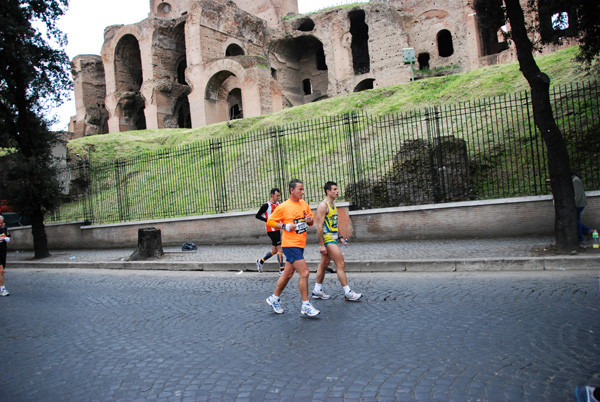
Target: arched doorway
(222,96)
(128,82)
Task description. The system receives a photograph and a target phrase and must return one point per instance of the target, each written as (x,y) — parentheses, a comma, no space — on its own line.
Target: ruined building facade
(196,62)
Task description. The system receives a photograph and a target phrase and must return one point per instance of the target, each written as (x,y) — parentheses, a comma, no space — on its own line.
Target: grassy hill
(481,83)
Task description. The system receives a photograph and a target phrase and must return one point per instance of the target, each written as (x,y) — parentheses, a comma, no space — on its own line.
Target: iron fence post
(277,133)
(218,176)
(442,196)
(87,201)
(122,201)
(349,121)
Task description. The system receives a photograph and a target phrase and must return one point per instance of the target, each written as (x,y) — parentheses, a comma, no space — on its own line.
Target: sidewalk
(526,253)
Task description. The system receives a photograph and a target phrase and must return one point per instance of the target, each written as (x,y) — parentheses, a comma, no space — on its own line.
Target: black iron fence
(477,150)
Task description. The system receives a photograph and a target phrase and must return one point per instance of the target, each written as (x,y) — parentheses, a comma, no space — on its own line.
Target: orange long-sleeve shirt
(292,212)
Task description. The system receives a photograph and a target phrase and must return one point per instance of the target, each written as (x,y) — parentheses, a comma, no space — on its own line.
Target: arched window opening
(234,50)
(128,65)
(445,46)
(360,42)
(365,85)
(423,60)
(304,25)
(163,9)
(307,87)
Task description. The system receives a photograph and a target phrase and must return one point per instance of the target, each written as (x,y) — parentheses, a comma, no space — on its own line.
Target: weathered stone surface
(149,245)
(423,172)
(198,62)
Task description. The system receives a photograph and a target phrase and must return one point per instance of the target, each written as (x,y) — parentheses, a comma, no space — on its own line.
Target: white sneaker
(275,304)
(281,272)
(320,295)
(4,292)
(259,265)
(309,310)
(585,394)
(353,296)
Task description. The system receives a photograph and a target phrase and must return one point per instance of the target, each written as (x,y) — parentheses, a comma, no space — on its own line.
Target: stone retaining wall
(522,216)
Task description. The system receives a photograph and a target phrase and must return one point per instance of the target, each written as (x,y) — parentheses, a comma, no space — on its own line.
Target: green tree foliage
(588,12)
(34,78)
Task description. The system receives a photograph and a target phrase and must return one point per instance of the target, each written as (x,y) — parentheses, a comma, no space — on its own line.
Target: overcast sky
(85,21)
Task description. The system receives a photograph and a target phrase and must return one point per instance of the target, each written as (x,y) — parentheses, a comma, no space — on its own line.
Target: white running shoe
(320,295)
(280,272)
(259,265)
(309,310)
(275,304)
(353,296)
(4,292)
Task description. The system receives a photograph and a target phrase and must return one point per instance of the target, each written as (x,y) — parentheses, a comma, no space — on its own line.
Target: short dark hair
(328,186)
(293,183)
(275,190)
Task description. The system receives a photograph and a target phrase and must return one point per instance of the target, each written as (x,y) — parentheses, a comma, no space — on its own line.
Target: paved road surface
(84,335)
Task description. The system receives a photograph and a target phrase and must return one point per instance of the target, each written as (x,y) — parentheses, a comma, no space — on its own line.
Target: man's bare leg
(333,253)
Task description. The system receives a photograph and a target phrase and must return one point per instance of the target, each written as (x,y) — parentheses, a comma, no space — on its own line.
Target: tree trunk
(40,241)
(149,245)
(565,213)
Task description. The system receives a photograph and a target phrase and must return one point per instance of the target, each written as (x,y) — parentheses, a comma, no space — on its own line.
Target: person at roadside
(274,234)
(583,232)
(4,240)
(294,217)
(327,232)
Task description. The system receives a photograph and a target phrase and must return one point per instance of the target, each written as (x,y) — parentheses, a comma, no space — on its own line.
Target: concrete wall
(524,216)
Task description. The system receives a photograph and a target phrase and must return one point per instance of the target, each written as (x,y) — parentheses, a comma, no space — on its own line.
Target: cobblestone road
(78,335)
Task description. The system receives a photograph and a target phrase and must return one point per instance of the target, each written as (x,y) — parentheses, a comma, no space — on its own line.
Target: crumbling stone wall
(423,172)
(198,62)
(90,88)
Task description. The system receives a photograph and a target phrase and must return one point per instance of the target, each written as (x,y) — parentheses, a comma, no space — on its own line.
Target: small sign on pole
(409,58)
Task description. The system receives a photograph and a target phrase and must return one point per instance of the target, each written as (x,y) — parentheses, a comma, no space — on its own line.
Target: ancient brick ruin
(196,62)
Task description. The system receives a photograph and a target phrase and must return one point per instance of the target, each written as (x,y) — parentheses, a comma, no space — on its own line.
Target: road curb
(434,265)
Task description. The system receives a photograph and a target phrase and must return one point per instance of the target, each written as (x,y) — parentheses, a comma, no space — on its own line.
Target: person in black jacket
(4,240)
(274,234)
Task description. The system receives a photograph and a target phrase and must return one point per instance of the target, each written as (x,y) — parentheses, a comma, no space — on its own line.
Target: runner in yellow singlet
(327,231)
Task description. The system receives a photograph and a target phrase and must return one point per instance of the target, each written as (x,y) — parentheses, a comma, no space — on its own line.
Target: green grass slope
(481,83)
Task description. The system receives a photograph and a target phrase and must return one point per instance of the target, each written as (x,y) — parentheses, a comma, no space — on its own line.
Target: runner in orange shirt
(294,217)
